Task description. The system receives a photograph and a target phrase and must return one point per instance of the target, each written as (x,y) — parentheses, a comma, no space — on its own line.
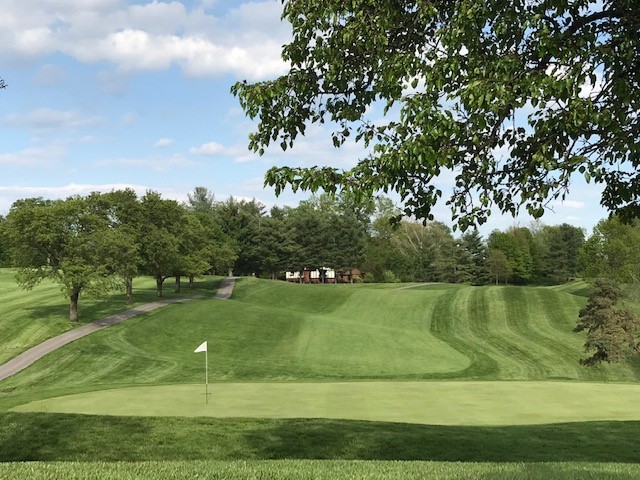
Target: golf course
(316,381)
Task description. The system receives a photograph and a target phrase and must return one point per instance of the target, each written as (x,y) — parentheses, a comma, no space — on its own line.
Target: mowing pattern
(274,331)
(515,333)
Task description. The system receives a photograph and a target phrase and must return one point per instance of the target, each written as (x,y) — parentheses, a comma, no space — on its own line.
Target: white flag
(201,348)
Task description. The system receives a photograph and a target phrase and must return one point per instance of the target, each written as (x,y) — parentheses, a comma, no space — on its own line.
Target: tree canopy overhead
(514,97)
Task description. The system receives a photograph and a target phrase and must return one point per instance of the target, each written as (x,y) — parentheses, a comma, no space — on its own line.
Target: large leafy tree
(5,247)
(160,238)
(515,243)
(613,251)
(513,97)
(123,212)
(240,221)
(276,244)
(560,251)
(66,241)
(202,200)
(499,265)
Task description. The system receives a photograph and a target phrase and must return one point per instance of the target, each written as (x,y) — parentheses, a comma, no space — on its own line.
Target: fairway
(431,403)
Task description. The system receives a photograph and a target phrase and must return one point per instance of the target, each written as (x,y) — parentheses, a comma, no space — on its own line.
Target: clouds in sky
(46,119)
(107,94)
(244,42)
(33,156)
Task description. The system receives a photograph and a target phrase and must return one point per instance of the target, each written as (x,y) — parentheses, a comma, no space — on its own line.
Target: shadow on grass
(92,308)
(57,437)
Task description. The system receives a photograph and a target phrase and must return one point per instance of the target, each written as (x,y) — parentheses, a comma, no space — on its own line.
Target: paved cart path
(30,356)
(226,288)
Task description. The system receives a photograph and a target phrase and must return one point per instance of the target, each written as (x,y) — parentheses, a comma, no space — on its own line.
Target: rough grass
(27,318)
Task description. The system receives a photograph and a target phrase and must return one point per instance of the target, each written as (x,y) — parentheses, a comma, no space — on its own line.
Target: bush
(369,278)
(389,277)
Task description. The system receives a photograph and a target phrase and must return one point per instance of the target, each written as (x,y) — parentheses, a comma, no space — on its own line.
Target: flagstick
(206,377)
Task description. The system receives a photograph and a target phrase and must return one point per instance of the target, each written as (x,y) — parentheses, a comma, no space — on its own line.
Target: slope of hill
(274,331)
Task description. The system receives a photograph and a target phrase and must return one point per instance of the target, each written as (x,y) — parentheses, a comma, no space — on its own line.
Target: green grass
(68,437)
(27,318)
(274,331)
(317,470)
(310,337)
(430,403)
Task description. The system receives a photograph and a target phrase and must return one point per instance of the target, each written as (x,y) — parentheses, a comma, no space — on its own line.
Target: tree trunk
(177,287)
(159,281)
(192,281)
(128,282)
(73,308)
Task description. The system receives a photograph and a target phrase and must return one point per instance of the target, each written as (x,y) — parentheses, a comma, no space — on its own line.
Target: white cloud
(212,148)
(575,204)
(51,75)
(163,142)
(158,164)
(46,119)
(245,42)
(33,156)
(129,118)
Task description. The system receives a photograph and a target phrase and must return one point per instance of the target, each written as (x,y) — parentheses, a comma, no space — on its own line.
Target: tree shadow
(92,308)
(358,440)
(58,437)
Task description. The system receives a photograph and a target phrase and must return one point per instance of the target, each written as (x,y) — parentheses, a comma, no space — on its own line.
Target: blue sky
(105,94)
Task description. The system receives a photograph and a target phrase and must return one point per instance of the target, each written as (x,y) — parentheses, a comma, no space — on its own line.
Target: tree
(5,247)
(196,249)
(201,200)
(122,210)
(427,252)
(276,246)
(162,224)
(513,97)
(240,221)
(612,333)
(515,243)
(66,241)
(613,251)
(380,256)
(473,258)
(499,265)
(561,251)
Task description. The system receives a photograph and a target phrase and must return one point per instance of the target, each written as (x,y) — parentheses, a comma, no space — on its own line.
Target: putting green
(437,403)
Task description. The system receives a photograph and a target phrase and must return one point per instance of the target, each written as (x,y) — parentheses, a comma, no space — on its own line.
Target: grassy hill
(288,333)
(275,331)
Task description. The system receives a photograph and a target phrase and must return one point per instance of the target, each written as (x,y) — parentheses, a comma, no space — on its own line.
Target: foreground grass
(28,318)
(58,437)
(318,470)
